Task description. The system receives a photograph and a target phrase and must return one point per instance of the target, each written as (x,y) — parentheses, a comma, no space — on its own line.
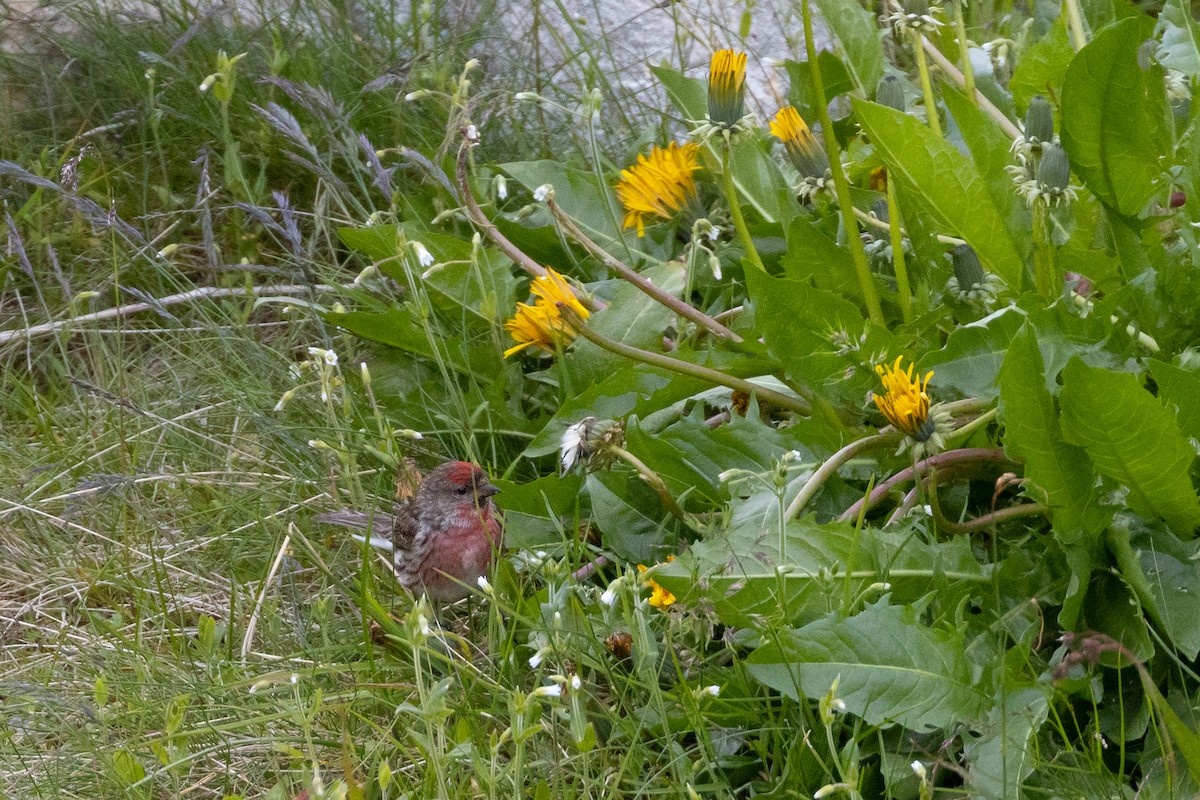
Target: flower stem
(964,50)
(866,282)
(1043,253)
(1075,22)
(952,461)
(784,401)
(952,72)
(627,273)
(832,465)
(931,112)
(653,478)
(735,208)
(982,522)
(903,292)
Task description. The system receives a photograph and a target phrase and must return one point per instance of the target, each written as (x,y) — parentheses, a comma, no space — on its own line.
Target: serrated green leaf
(946,184)
(974,353)
(629,515)
(1112,117)
(990,151)
(860,39)
(795,321)
(1132,440)
(1180,45)
(1061,471)
(1043,67)
(1180,391)
(813,256)
(890,668)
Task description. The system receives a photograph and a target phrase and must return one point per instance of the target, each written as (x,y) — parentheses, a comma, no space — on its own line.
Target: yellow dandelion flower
(542,324)
(726,88)
(659,185)
(906,403)
(659,597)
(803,149)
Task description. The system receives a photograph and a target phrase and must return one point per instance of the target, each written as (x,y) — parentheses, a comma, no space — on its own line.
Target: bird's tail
(362,521)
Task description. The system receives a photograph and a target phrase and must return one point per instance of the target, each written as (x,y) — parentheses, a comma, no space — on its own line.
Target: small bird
(443,539)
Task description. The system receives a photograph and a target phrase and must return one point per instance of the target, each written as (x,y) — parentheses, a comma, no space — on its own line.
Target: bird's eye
(462,490)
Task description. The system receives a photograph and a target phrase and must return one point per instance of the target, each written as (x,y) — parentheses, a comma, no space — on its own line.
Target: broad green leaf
(989,147)
(594,207)
(532,510)
(860,38)
(629,515)
(1161,569)
(400,328)
(1180,391)
(946,184)
(1043,67)
(688,95)
(891,669)
(1004,752)
(801,93)
(1062,472)
(1112,117)
(1132,440)
(795,321)
(1180,46)
(974,353)
(813,256)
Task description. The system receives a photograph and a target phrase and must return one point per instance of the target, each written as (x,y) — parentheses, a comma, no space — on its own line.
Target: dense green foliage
(1000,600)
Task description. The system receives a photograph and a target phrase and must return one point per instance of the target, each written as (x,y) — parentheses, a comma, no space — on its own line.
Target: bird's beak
(487,490)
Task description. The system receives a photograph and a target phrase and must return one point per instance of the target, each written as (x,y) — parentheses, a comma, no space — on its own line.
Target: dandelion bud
(879,210)
(1054,170)
(890,92)
(1039,120)
(967,269)
(726,88)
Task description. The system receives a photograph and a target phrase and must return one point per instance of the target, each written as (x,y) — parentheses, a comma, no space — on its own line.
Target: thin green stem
(833,464)
(931,112)
(964,50)
(896,233)
(862,269)
(1075,22)
(1048,285)
(653,478)
(784,401)
(735,208)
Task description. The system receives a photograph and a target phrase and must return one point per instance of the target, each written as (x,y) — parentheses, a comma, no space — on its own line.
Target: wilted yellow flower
(726,88)
(659,597)
(659,185)
(906,403)
(542,324)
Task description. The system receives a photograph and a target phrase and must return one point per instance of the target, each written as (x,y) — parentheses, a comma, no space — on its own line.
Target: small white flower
(527,97)
(484,585)
(424,257)
(501,187)
(366,373)
(711,691)
(409,433)
(295,678)
(417,95)
(919,770)
(576,683)
(207,83)
(285,399)
(838,705)
(472,133)
(829,789)
(608,596)
(169,250)
(542,192)
(553,690)
(423,625)
(537,658)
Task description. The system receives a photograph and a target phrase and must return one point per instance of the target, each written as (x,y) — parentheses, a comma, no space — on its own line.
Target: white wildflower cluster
(322,365)
(914,16)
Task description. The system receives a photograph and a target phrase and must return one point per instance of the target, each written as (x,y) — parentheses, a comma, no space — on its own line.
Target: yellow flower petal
(659,185)
(906,402)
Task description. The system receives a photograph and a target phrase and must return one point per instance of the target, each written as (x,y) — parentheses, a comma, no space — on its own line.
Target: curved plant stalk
(653,479)
(875,222)
(1075,23)
(833,464)
(866,283)
(713,376)
(1145,339)
(627,273)
(1045,275)
(896,235)
(489,229)
(931,112)
(979,523)
(957,461)
(951,71)
(735,208)
(964,49)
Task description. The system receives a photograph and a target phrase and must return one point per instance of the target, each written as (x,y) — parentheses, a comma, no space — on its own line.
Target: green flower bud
(1054,168)
(967,269)
(890,92)
(1039,120)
